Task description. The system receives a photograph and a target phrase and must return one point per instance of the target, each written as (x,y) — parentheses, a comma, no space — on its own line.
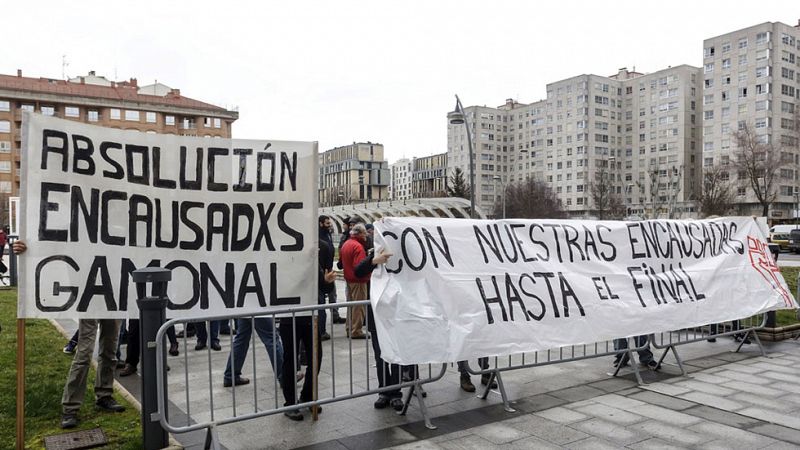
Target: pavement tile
(779,446)
(592,443)
(665,401)
(765,402)
(775,367)
(772,417)
(627,392)
(665,415)
(670,433)
(742,438)
(708,388)
(562,415)
(723,417)
(617,401)
(705,363)
(613,384)
(418,445)
(778,432)
(746,377)
(610,432)
(450,436)
(578,393)
(529,443)
(781,376)
(753,388)
(655,444)
(745,368)
(611,414)
(708,378)
(498,433)
(666,389)
(538,403)
(464,443)
(712,400)
(548,430)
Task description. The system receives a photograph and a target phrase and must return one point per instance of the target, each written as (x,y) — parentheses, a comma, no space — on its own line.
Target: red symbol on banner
(761,260)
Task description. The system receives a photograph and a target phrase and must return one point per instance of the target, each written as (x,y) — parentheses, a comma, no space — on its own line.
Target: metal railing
(559,355)
(225,408)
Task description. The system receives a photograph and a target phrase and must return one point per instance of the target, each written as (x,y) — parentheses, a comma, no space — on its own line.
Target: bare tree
(607,204)
(660,195)
(531,199)
(716,198)
(757,162)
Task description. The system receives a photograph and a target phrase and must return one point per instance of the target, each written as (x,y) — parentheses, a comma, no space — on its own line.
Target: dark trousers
(388,374)
(134,351)
(202,334)
(483,363)
(645,355)
(303,331)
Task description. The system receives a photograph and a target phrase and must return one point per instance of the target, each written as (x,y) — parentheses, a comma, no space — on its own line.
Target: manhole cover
(77,439)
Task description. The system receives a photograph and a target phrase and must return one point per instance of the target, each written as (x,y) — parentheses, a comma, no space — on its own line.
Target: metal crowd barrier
(555,356)
(358,383)
(741,330)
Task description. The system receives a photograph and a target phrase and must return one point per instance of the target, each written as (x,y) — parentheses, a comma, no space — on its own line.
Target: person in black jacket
(326,262)
(388,374)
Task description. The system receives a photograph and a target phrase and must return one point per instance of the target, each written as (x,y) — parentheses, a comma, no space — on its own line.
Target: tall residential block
(95,100)
(429,176)
(638,132)
(751,78)
(400,184)
(353,173)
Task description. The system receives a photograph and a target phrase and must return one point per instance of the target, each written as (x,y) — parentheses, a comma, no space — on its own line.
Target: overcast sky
(343,71)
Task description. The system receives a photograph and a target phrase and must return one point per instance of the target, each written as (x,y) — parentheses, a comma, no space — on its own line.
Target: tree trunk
(765,210)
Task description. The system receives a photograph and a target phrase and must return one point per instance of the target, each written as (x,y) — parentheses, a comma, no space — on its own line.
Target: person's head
(370,229)
(346,223)
(325,222)
(358,231)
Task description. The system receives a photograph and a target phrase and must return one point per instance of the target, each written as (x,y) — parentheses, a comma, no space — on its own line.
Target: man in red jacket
(353,252)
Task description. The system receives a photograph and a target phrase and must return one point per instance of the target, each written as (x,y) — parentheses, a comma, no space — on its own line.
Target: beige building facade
(400,184)
(354,173)
(429,176)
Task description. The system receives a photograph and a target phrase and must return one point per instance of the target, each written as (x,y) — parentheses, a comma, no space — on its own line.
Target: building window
(132,116)
(48,110)
(169,120)
(5,105)
(27,108)
(743,43)
(5,166)
(72,111)
(115,114)
(5,126)
(150,117)
(5,146)
(218,123)
(5,186)
(93,116)
(762,37)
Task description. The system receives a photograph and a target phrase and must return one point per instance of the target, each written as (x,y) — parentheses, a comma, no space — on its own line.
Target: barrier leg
(677,359)
(212,439)
(422,408)
(634,362)
(758,342)
(506,404)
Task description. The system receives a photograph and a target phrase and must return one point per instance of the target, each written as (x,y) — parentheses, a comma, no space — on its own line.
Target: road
(788,259)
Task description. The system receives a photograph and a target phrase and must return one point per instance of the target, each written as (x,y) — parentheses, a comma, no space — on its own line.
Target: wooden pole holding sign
(20,384)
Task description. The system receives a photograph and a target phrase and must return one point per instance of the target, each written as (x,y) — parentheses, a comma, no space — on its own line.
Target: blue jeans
(265,328)
(202,335)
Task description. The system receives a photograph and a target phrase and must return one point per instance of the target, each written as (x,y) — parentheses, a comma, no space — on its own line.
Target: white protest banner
(459,289)
(234,221)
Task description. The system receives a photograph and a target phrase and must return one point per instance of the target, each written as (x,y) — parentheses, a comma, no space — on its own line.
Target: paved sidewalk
(728,400)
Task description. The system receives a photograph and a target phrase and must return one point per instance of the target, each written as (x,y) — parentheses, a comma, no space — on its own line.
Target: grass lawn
(45,375)
(788,317)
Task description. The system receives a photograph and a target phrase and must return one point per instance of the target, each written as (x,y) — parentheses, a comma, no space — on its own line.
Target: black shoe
(397,404)
(215,346)
(173,349)
(294,415)
(239,381)
(319,409)
(120,364)
(200,346)
(109,404)
(325,337)
(466,384)
(69,420)
(381,403)
(712,340)
(339,320)
(129,369)
(652,365)
(485,380)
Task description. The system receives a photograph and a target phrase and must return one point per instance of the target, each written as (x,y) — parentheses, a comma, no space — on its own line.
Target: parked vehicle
(782,239)
(794,241)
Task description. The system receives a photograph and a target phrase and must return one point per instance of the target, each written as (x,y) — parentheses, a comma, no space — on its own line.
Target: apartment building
(429,176)
(95,100)
(353,173)
(639,132)
(400,184)
(751,77)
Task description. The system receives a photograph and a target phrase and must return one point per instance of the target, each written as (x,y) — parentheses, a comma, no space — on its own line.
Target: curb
(173,443)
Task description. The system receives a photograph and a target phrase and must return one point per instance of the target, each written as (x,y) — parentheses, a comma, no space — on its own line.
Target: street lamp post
(457,117)
(497,178)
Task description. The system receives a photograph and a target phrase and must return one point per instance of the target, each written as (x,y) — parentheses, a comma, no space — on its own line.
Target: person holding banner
(353,251)
(75,387)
